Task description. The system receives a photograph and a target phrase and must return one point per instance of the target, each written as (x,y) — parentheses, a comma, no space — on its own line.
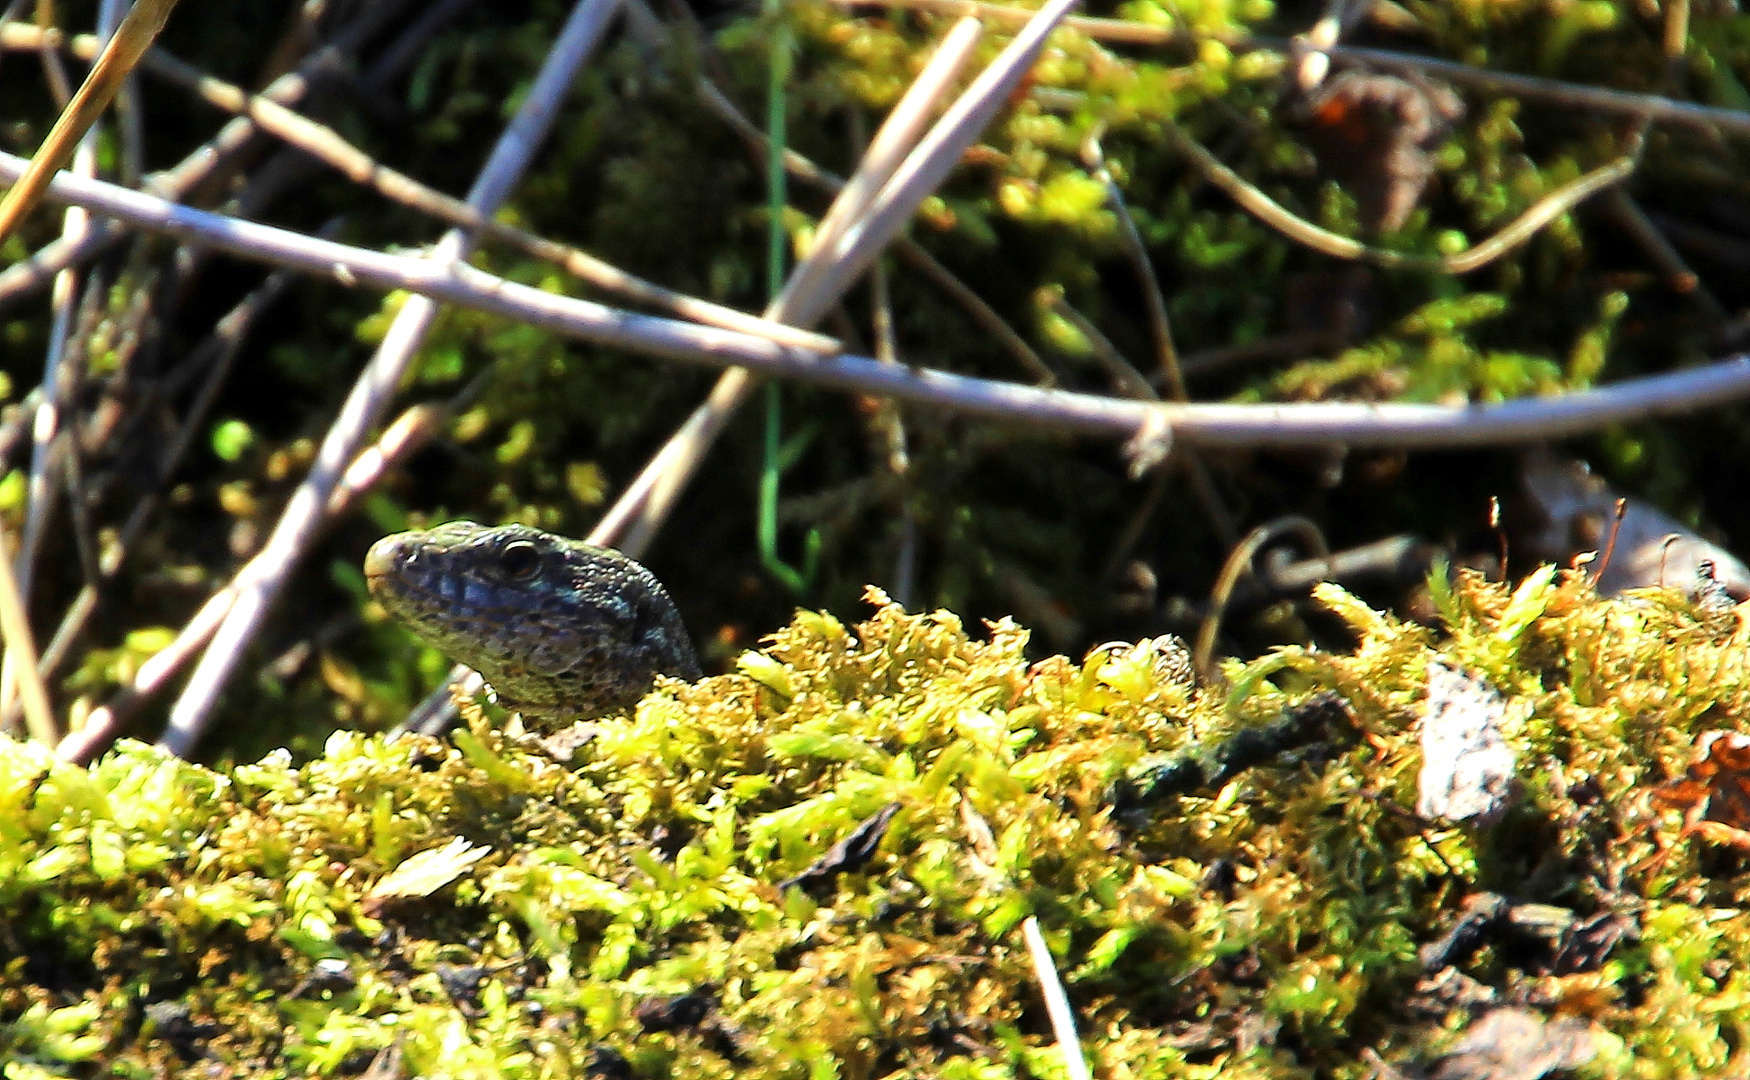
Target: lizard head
(560,628)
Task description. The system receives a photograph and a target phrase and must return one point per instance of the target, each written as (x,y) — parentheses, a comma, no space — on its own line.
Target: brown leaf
(1714,794)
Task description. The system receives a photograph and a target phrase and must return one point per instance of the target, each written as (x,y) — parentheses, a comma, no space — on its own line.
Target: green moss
(487,910)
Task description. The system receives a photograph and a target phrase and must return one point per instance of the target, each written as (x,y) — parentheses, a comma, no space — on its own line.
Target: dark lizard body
(560,629)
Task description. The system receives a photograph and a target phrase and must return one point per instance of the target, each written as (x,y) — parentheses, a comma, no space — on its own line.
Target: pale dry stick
(135,33)
(632,521)
(898,134)
(36,272)
(930,162)
(653,494)
(327,146)
(56,385)
(1298,229)
(911,251)
(283,171)
(408,433)
(298,524)
(15,625)
(1601,99)
(1063,1018)
(1399,426)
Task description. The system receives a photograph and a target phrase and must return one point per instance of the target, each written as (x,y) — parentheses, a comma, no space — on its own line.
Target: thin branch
(370,395)
(898,135)
(1403,426)
(405,435)
(57,382)
(800,168)
(1517,232)
(327,146)
(217,354)
(218,152)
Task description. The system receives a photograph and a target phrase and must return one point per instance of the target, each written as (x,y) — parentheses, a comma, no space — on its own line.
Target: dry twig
(1403,426)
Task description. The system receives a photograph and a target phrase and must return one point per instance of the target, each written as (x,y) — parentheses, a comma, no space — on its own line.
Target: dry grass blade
(640,511)
(219,154)
(327,146)
(21,653)
(101,85)
(1063,1020)
(928,165)
(631,523)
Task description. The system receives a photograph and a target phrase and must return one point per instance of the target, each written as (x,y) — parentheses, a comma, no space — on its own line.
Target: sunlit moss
(489,910)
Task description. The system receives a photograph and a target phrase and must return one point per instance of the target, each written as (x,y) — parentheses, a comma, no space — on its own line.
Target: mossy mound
(480,908)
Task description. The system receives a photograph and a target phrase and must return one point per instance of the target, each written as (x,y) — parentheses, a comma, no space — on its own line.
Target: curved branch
(1318,424)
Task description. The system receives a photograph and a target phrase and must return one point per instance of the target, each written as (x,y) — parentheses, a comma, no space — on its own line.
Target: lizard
(562,630)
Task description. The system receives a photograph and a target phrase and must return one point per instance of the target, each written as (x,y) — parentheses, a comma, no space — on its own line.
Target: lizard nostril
(383,557)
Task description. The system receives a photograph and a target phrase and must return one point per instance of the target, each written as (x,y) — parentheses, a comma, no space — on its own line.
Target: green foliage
(493,911)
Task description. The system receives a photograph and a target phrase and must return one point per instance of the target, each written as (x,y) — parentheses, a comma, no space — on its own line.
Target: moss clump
(480,908)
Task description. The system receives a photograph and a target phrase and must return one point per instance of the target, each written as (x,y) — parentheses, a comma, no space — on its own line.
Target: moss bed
(483,908)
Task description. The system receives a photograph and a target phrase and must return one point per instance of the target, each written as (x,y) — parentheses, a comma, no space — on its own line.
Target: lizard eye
(519,560)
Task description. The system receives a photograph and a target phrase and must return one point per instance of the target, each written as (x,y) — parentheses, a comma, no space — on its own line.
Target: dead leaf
(1714,794)
(847,856)
(427,872)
